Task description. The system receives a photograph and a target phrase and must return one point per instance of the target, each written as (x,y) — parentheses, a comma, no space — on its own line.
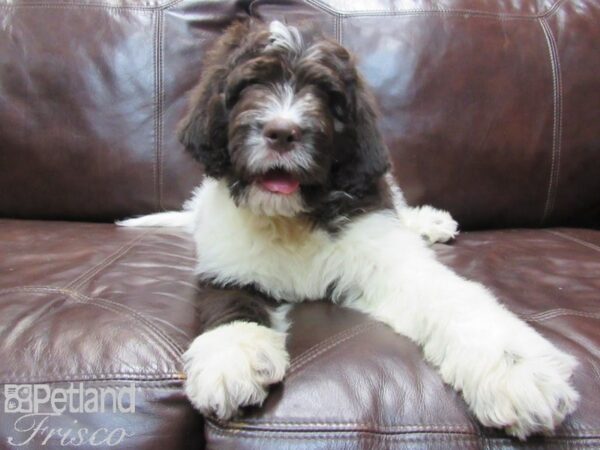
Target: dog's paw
(434,225)
(525,393)
(232,365)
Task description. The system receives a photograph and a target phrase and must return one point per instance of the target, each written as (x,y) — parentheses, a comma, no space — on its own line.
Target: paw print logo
(18,398)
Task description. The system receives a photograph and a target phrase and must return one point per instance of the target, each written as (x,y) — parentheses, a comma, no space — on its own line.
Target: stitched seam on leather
(438,434)
(363,436)
(595,369)
(178,330)
(102,376)
(332,340)
(121,251)
(317,348)
(553,313)
(170,255)
(157,66)
(158,332)
(422,11)
(574,239)
(160,338)
(378,430)
(248,426)
(98,5)
(327,344)
(557,120)
(155,26)
(35,288)
(404,435)
(553,9)
(161,104)
(334,26)
(294,370)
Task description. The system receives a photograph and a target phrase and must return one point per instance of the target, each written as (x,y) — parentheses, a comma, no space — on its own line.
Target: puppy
(298,204)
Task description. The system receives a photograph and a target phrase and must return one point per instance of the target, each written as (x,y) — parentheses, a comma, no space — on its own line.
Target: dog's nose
(281,134)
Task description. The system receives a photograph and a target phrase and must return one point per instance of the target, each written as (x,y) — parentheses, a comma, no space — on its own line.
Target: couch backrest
(490,109)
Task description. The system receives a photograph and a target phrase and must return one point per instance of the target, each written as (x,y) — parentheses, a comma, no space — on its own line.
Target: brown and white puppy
(298,205)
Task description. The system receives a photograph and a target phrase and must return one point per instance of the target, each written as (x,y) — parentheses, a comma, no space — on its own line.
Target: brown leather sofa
(491,110)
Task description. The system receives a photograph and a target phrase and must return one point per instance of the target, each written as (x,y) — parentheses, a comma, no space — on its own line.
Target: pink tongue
(280,184)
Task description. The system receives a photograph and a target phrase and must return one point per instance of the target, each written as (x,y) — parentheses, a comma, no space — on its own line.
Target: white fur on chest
(287,259)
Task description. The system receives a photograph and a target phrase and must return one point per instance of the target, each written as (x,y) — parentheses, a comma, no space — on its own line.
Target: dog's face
(282,115)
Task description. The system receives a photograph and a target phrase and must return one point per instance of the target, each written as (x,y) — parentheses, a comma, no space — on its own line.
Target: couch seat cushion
(105,306)
(353,383)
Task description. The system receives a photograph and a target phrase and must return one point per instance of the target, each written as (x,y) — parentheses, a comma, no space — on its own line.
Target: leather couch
(491,110)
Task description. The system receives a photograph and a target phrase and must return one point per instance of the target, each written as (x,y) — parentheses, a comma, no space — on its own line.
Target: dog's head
(283,116)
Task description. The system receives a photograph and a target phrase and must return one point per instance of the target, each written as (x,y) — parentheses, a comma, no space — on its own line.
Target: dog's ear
(203,131)
(363,157)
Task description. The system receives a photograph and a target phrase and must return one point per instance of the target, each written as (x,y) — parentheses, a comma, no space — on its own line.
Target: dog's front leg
(240,353)
(510,376)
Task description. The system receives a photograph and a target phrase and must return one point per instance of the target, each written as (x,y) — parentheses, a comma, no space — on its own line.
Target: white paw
(434,225)
(525,392)
(232,365)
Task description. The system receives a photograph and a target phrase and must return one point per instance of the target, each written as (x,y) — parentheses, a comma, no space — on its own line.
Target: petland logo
(38,404)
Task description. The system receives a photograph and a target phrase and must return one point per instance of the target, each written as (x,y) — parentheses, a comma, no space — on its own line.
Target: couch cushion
(474,95)
(90,94)
(105,307)
(109,306)
(353,383)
